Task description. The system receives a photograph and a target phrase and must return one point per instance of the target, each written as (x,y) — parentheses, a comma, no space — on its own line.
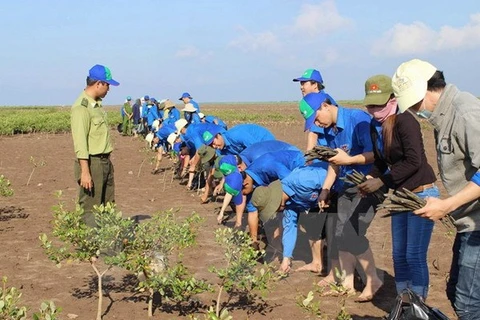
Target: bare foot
(285,266)
(312,267)
(325,283)
(369,292)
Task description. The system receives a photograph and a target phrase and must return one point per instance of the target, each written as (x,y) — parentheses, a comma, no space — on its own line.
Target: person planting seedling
(296,195)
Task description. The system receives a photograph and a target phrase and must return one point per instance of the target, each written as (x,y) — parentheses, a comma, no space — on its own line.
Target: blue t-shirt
(303,186)
(273,166)
(352,135)
(216,120)
(152,115)
(165,130)
(195,104)
(145,109)
(173,115)
(242,136)
(192,117)
(321,141)
(251,153)
(193,137)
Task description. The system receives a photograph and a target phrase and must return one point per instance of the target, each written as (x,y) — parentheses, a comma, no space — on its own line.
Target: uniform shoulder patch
(84,102)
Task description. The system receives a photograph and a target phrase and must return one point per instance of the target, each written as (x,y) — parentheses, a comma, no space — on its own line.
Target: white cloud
(192,52)
(322,18)
(188,52)
(418,38)
(254,42)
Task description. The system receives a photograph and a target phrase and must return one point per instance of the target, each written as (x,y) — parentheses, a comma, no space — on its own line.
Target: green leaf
(309,299)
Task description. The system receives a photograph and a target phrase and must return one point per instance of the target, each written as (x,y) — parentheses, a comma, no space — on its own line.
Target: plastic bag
(415,309)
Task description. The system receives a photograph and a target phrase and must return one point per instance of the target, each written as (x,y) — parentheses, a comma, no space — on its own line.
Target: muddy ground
(72,287)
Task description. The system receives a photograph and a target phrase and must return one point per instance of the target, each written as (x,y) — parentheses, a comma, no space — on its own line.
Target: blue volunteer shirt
(163,133)
(152,115)
(195,104)
(216,120)
(242,136)
(192,117)
(144,109)
(272,166)
(193,137)
(173,115)
(321,140)
(165,130)
(302,186)
(352,135)
(256,150)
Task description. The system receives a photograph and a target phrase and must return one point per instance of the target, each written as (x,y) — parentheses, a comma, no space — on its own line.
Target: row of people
(306,187)
(385,144)
(140,116)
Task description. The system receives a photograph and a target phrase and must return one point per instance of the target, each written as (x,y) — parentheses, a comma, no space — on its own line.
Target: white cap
(171,138)
(156,125)
(149,137)
(409,82)
(201,115)
(180,124)
(189,108)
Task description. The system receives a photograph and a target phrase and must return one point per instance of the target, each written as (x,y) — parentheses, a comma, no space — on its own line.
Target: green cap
(267,200)
(217,174)
(206,153)
(378,90)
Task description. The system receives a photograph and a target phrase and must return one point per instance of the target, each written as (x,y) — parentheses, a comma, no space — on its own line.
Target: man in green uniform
(128,118)
(91,140)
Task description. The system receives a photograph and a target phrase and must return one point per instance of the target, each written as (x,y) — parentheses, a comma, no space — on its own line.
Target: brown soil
(28,213)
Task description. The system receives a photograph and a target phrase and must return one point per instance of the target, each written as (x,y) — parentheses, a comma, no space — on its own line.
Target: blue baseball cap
(102,73)
(129,98)
(211,132)
(233,185)
(185,95)
(228,165)
(310,74)
(309,106)
(153,99)
(146,97)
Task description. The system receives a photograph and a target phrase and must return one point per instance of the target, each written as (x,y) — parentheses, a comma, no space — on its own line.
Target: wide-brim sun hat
(206,153)
(169,104)
(189,108)
(410,82)
(267,200)
(171,138)
(180,124)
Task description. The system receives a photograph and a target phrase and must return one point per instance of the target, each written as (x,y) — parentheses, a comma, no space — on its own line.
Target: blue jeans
(463,287)
(410,239)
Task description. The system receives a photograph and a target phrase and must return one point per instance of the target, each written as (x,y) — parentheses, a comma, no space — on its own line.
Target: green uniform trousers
(103,191)
(127,126)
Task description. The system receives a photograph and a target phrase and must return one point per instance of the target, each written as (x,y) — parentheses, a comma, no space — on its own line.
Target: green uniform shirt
(128,108)
(90,129)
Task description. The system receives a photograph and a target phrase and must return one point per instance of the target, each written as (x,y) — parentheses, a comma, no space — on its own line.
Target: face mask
(381,113)
(424,114)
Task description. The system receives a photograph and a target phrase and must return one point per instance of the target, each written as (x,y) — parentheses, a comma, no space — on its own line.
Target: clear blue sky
(227,51)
